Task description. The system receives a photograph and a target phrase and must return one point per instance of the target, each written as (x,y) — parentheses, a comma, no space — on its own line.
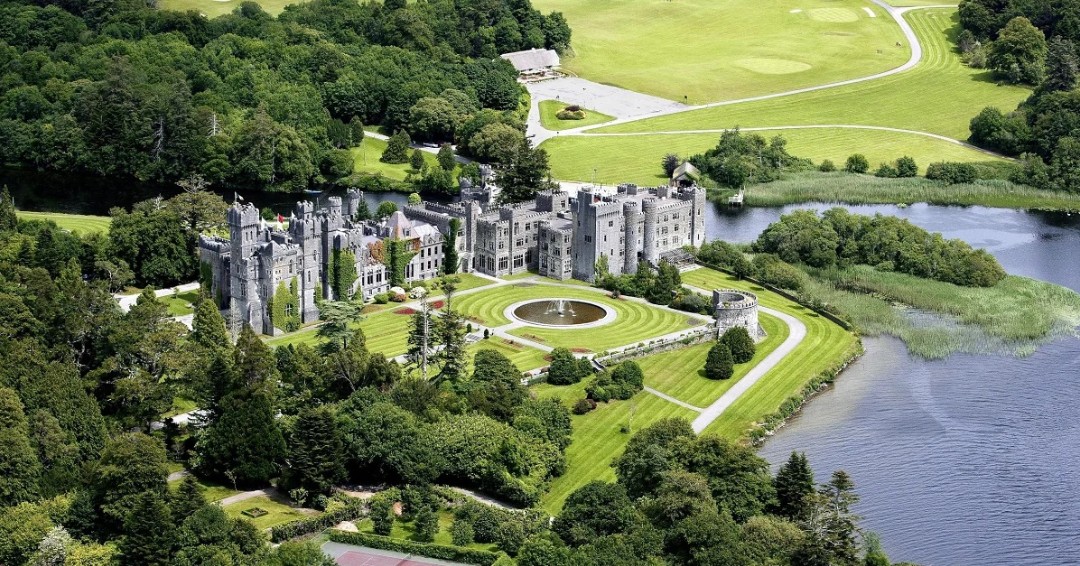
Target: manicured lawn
(367,155)
(80,223)
(214,8)
(598,440)
(385,331)
(939,95)
(681,373)
(468,281)
(824,346)
(708,50)
(635,321)
(541,278)
(549,109)
(181,303)
(576,157)
(279,513)
(180,405)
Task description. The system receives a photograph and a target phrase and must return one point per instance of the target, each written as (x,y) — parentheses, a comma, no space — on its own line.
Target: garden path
(796,334)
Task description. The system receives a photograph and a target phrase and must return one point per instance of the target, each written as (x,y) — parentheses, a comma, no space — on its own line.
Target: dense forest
(121,89)
(1033,43)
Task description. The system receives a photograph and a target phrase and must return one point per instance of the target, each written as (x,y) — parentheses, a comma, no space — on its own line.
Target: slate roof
(532,59)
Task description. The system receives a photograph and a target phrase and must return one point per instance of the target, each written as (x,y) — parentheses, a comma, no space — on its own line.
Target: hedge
(438,551)
(351,509)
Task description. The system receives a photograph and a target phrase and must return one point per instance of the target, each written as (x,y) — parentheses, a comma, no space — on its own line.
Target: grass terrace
(524,357)
(180,304)
(211,491)
(681,373)
(79,223)
(406,531)
(707,50)
(635,321)
(549,109)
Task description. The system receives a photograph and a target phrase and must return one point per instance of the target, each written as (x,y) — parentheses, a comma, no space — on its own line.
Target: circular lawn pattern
(768,66)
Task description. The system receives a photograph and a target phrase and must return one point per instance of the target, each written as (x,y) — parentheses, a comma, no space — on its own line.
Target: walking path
(127,301)
(667,397)
(266,491)
(796,334)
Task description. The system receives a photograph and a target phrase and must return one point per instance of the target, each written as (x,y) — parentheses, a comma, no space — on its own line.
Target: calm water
(966,461)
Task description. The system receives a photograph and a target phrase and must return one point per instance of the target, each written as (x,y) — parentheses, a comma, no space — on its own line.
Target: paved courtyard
(611,100)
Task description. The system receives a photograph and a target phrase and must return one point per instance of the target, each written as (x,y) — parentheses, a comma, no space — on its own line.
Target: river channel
(967,461)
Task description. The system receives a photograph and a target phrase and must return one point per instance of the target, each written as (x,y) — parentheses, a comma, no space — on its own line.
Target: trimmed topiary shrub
(719,364)
(740,344)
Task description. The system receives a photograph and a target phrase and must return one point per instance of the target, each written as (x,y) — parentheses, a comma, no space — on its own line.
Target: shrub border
(438,551)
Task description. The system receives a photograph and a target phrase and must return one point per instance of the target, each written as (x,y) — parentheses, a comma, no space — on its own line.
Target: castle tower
(697,228)
(352,203)
(650,252)
(246,305)
(630,214)
(304,229)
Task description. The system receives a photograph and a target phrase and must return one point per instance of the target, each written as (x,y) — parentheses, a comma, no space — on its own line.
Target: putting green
(695,50)
(834,15)
(768,66)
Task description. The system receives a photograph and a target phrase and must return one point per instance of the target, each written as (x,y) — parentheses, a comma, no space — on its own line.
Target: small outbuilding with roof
(533,63)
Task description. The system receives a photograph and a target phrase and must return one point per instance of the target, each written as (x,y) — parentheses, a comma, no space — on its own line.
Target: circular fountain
(561,312)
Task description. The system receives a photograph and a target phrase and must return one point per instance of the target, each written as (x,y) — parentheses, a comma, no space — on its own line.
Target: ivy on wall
(285,307)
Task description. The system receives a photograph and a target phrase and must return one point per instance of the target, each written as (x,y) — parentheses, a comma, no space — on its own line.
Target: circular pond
(561,312)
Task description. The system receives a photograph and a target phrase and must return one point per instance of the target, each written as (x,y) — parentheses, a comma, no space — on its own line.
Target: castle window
(610,223)
(288,309)
(503,263)
(588,239)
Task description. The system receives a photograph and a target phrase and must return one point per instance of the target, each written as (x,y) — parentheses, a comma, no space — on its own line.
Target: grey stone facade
(247,268)
(555,235)
(735,308)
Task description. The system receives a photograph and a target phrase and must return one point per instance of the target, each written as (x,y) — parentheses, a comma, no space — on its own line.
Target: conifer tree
(794,484)
(245,443)
(19,466)
(427,524)
(356,128)
(446,157)
(316,451)
(8,220)
(149,532)
(208,327)
(718,364)
(187,499)
(450,253)
(450,332)
(422,338)
(254,365)
(416,160)
(363,211)
(738,340)
(397,148)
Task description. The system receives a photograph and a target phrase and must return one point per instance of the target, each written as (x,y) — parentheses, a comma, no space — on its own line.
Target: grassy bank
(549,109)
(936,319)
(708,50)
(366,159)
(80,223)
(636,158)
(866,189)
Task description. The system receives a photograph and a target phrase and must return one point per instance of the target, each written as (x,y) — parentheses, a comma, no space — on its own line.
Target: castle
(265,275)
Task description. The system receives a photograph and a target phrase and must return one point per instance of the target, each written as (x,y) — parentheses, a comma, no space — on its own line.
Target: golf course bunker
(556,312)
(836,15)
(768,66)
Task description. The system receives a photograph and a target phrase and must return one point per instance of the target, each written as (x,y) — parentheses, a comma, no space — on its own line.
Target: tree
(450,333)
(1065,165)
(298,554)
(382,517)
(666,283)
(461,532)
(434,118)
(149,532)
(254,365)
(524,175)
(386,208)
(414,199)
(564,368)
(794,484)
(906,167)
(209,332)
(539,550)
(594,510)
(495,142)
(738,341)
(154,242)
(416,160)
(199,209)
(131,464)
(738,478)
(363,211)
(316,451)
(446,157)
(495,389)
(19,466)
(451,260)
(670,163)
(427,524)
(422,338)
(8,220)
(245,444)
(338,318)
(718,364)
(53,550)
(186,500)
(1062,65)
(1019,52)
(832,522)
(397,148)
(857,163)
